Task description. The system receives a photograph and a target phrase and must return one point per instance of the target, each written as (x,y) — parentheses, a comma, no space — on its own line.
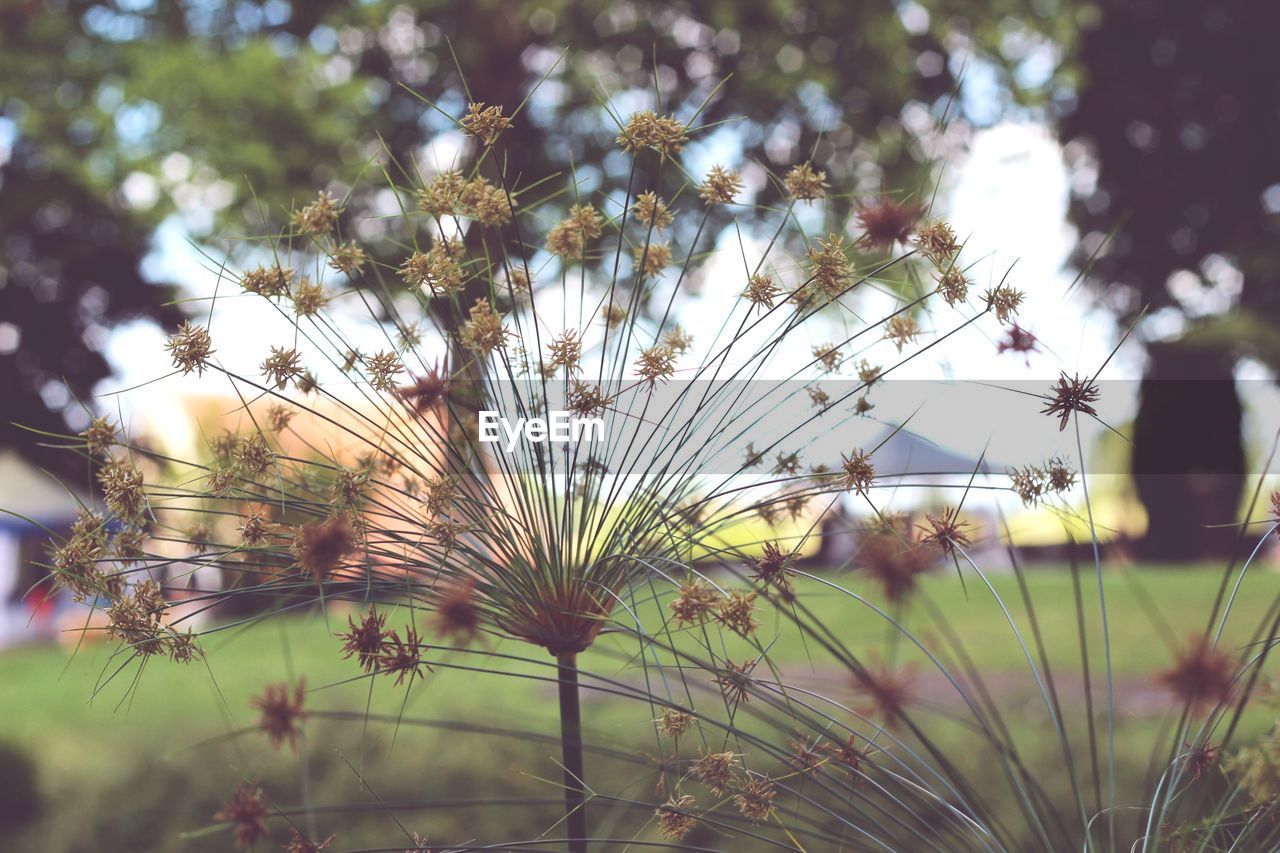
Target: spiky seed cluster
(675,820)
(937,242)
(754,799)
(309,298)
(761,290)
(677,340)
(270,282)
(519,282)
(122,489)
(565,350)
(485,123)
(716,770)
(379,650)
(734,681)
(651,259)
(888,692)
(1017,339)
(1071,395)
(953,286)
(137,620)
(281,712)
(674,723)
(828,355)
(99,436)
(902,329)
(383,369)
(348,258)
(252,455)
(886,222)
(442,196)
(803,183)
(457,614)
(282,366)
(694,603)
(773,566)
(569,237)
(651,211)
(859,473)
(1202,675)
(321,547)
(656,364)
(1004,300)
(190,348)
(721,186)
(830,271)
(483,332)
(485,202)
(945,531)
(247,813)
(664,134)
(435,270)
(256,528)
(737,613)
(299,843)
(614,314)
(319,217)
(586,400)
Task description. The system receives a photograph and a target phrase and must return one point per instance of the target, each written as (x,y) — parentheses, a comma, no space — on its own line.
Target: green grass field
(163,740)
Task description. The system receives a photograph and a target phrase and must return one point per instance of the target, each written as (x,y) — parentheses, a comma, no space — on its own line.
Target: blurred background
(1123,153)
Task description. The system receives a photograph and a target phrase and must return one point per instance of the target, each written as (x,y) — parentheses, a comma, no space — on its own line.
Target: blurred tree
(1178,118)
(116,115)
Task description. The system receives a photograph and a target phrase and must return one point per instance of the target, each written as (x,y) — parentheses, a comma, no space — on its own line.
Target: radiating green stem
(571,751)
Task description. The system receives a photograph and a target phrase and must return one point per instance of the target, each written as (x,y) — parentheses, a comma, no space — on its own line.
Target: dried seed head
(585,400)
(100,436)
(122,489)
(803,183)
(365,641)
(278,417)
(519,281)
(953,286)
(893,561)
(721,186)
(348,258)
(442,196)
(1202,675)
(252,455)
(888,692)
(754,799)
(403,658)
(485,123)
(761,290)
(945,532)
(383,369)
(436,270)
(568,238)
(267,281)
(735,681)
(319,217)
(677,340)
(283,365)
(675,820)
(902,329)
(885,222)
(651,259)
(565,350)
(773,566)
(694,603)
(425,393)
(247,813)
(484,332)
(485,202)
(190,348)
(807,755)
(674,723)
(281,712)
(716,771)
(1017,339)
(309,298)
(828,355)
(736,612)
(256,528)
(614,314)
(937,242)
(651,211)
(664,134)
(299,843)
(656,364)
(1004,300)
(831,272)
(321,547)
(859,473)
(457,615)
(1071,395)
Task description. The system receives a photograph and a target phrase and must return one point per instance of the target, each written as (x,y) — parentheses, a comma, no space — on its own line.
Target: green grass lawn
(173,727)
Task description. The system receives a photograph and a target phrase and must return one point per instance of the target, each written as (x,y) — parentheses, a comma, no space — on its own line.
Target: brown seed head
(803,183)
(281,712)
(190,348)
(247,813)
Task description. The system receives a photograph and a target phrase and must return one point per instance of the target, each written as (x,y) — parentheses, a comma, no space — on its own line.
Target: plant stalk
(571,752)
